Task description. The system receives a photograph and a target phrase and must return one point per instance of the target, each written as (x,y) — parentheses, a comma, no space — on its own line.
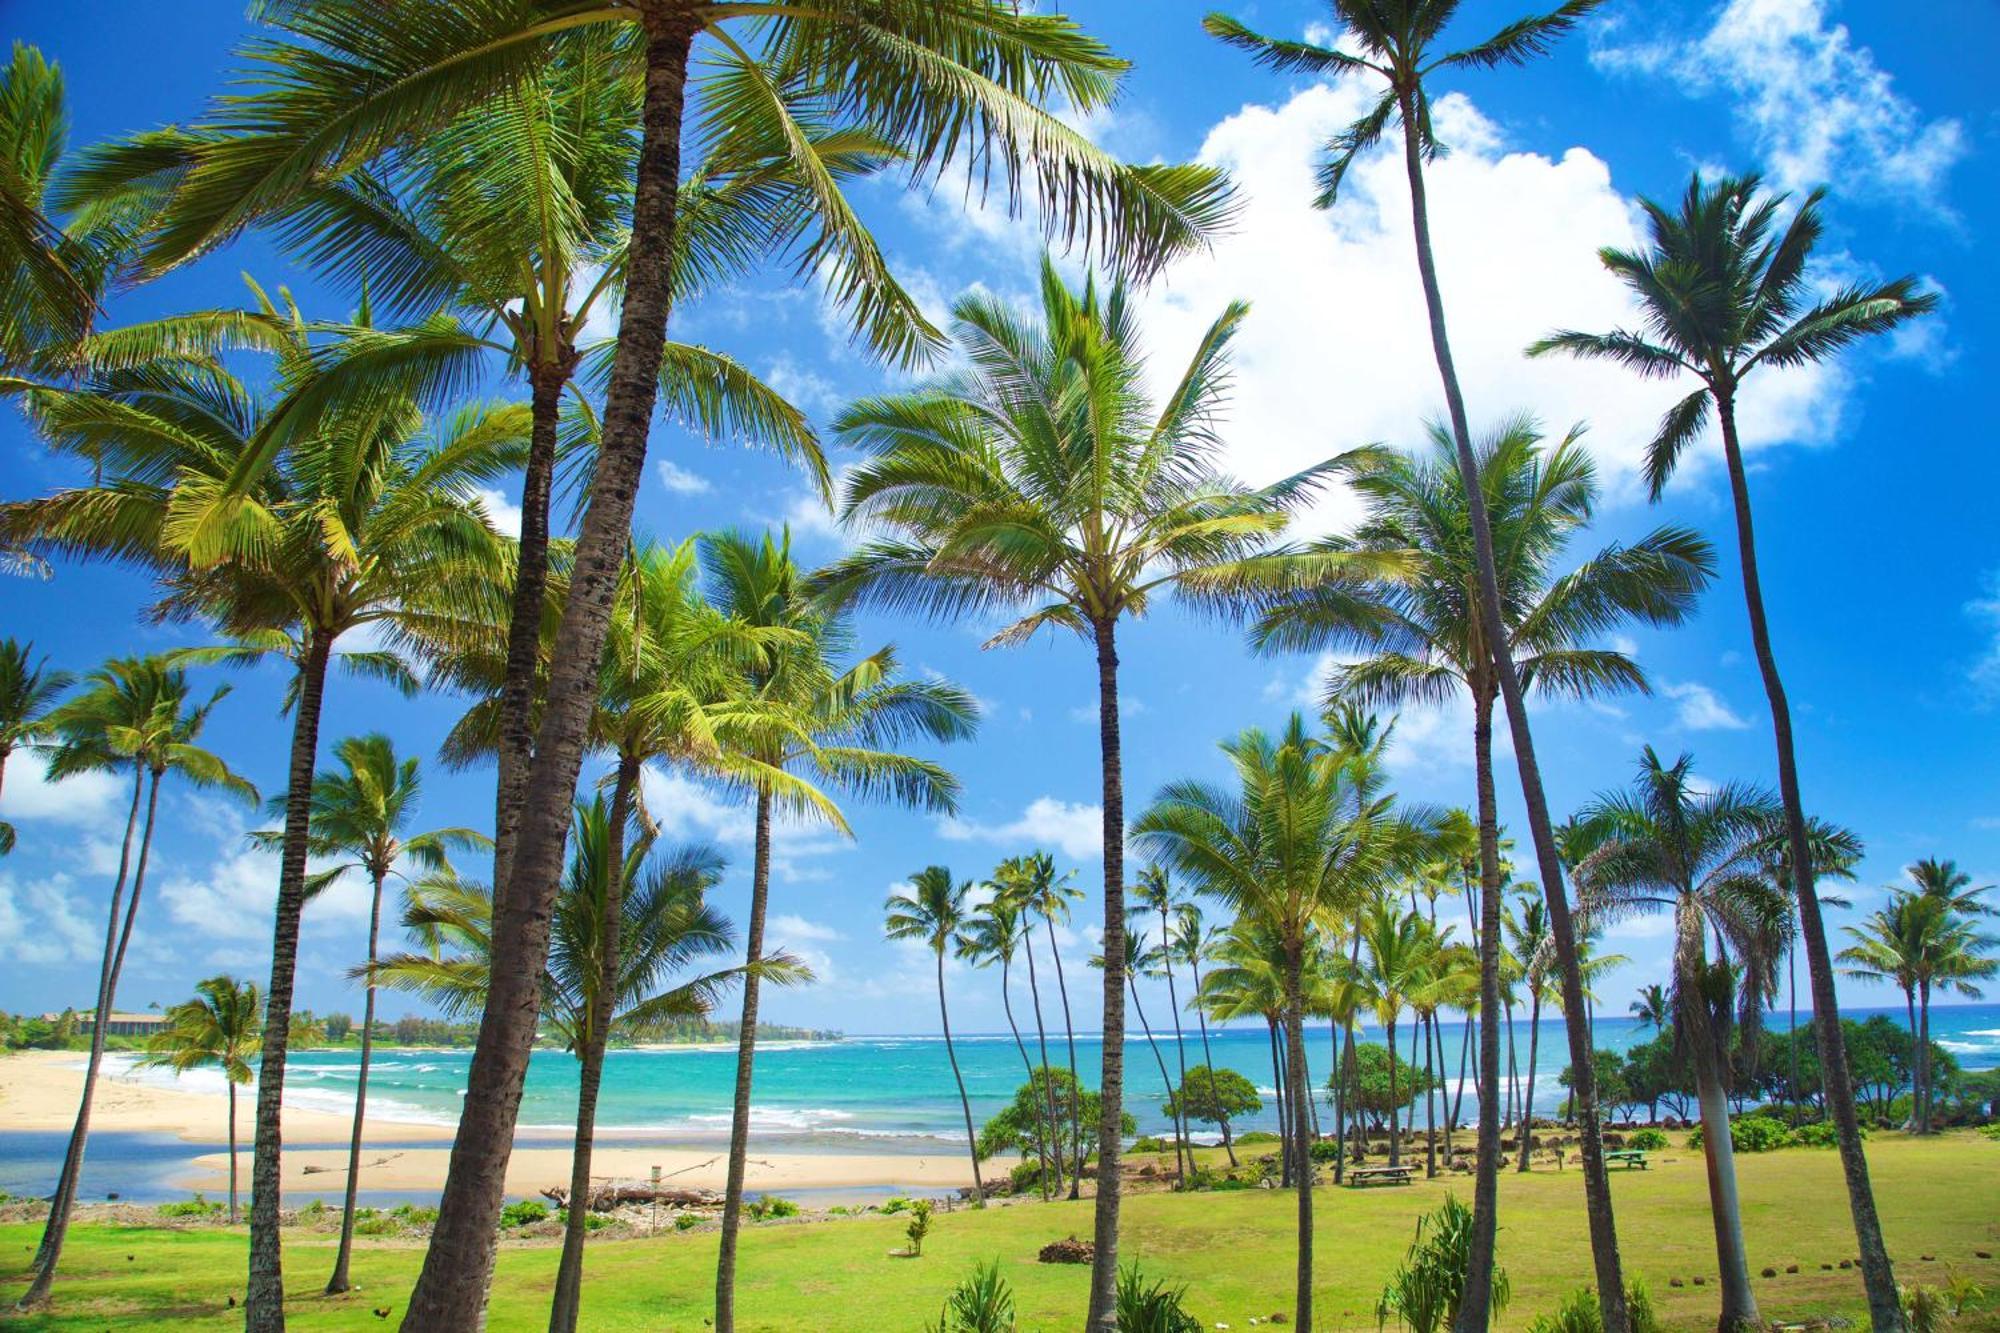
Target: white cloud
(805,389)
(501,512)
(791,927)
(42,925)
(1816,106)
(88,800)
(1128,706)
(687,810)
(1702,709)
(1077,829)
(679,480)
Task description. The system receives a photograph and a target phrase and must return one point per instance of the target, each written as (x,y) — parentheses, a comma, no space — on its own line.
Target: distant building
(121,1025)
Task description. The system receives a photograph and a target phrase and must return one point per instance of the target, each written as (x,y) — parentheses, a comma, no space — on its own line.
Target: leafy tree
(28,690)
(1398,44)
(1022,1125)
(1721,297)
(136,715)
(1215,1096)
(1382,1086)
(932,911)
(217,1029)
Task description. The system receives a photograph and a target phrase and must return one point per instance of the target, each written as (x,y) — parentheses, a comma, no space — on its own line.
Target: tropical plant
(1142,959)
(995,932)
(1192,942)
(1721,296)
(1305,836)
(1152,1307)
(1651,1008)
(364,812)
(1672,845)
(1033,884)
(1215,1096)
(1429,1287)
(370,517)
(136,715)
(823,724)
(982,1303)
(1021,1125)
(28,690)
(1044,481)
(919,1226)
(1156,891)
(217,1029)
(630,923)
(932,911)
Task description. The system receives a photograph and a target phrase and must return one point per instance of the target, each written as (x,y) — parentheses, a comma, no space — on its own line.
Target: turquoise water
(895,1093)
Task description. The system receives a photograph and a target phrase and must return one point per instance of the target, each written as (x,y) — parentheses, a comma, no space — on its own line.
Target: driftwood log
(603,1198)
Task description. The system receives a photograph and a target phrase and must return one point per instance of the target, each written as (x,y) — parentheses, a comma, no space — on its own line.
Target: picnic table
(1360,1176)
(1629,1158)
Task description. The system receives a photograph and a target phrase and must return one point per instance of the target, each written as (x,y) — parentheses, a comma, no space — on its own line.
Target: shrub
(895,1204)
(195,1207)
(1425,1291)
(1646,1140)
(1151,1308)
(1923,1308)
(1752,1133)
(686,1221)
(312,1212)
(1821,1134)
(414,1215)
(1579,1313)
(1324,1150)
(524,1212)
(919,1227)
(982,1303)
(379,1225)
(770,1205)
(1990,1131)
(1024,1177)
(1150,1143)
(1255,1137)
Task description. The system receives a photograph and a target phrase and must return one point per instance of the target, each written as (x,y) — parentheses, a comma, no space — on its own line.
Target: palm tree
(994,932)
(1651,1009)
(1156,891)
(1668,846)
(1193,944)
(932,910)
(826,725)
(1038,889)
(627,929)
(1143,959)
(217,1029)
(1397,44)
(130,714)
(1404,588)
(1305,836)
(1720,299)
(1044,484)
(367,518)
(28,689)
(364,812)
(1247,980)
(1957,965)
(936,87)
(1528,939)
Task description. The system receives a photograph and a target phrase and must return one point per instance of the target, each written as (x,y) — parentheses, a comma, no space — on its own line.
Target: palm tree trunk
(1739,1303)
(1050,1133)
(1437,1040)
(1301,1083)
(1425,1023)
(1166,1079)
(1534,1047)
(1884,1309)
(746,1054)
(1475,1308)
(1597,1182)
(232,1151)
(450,1292)
(1342,1103)
(964,1102)
(1513,1118)
(63,1201)
(1464,1053)
(1186,1145)
(1278,1095)
(1208,1058)
(1069,1028)
(1910,1011)
(1923,1097)
(1792,1032)
(524,624)
(567,1303)
(1103,1312)
(1395,1143)
(1028,1066)
(339,1281)
(264,1298)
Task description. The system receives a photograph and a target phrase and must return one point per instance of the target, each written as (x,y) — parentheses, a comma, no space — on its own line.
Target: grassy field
(1939,1198)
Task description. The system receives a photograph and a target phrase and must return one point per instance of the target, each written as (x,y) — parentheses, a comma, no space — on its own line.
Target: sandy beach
(39,1091)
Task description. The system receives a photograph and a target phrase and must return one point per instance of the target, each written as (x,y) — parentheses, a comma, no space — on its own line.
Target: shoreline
(39,1092)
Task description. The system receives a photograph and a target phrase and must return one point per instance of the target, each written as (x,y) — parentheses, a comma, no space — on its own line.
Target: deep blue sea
(877,1094)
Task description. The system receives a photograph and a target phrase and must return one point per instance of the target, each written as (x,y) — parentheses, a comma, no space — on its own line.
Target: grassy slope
(1940,1198)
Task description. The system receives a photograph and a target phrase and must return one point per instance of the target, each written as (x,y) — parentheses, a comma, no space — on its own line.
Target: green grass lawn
(1234,1250)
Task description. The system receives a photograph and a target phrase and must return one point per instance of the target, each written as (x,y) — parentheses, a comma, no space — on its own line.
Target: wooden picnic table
(1629,1158)
(1358,1176)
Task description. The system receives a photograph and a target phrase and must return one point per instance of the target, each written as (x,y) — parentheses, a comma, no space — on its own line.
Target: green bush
(524,1213)
(1821,1134)
(1324,1150)
(982,1303)
(595,1221)
(195,1207)
(1151,1307)
(1990,1132)
(919,1227)
(312,1212)
(1646,1140)
(1578,1313)
(770,1205)
(1424,1293)
(1150,1143)
(896,1203)
(686,1221)
(379,1225)
(413,1215)
(1255,1137)
(1752,1133)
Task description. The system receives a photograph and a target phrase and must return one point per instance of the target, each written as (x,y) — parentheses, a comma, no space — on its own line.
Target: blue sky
(1874,476)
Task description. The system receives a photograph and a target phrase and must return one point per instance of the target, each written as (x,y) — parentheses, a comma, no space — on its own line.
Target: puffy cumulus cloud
(687,810)
(680,480)
(96,802)
(44,924)
(1816,106)
(1074,827)
(501,512)
(1702,709)
(229,904)
(789,926)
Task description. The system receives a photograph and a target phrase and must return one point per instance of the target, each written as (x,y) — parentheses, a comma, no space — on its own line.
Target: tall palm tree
(1142,958)
(364,812)
(932,910)
(631,921)
(1404,588)
(1039,889)
(1399,45)
(1944,883)
(828,725)
(1722,296)
(1651,1008)
(1193,944)
(28,690)
(973,79)
(368,518)
(1528,939)
(1669,846)
(218,1029)
(1044,484)
(1156,891)
(1303,837)
(1246,979)
(1835,853)
(136,715)
(994,933)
